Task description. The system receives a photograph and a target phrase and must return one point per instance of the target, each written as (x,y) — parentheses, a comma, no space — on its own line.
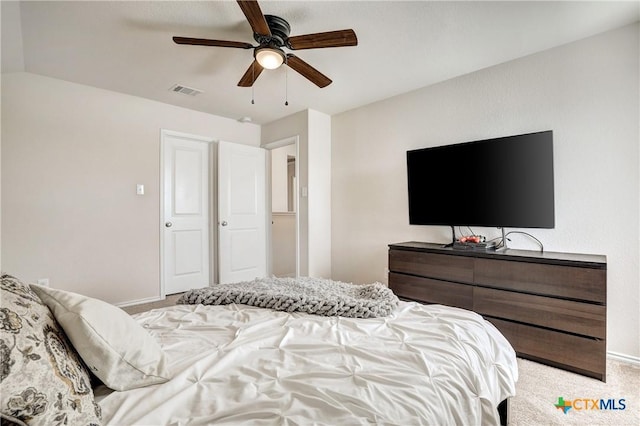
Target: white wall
(283,223)
(11,40)
(319,194)
(586,92)
(12,58)
(283,244)
(280,177)
(71,158)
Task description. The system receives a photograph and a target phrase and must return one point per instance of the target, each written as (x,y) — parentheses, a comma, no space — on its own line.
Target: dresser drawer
(586,319)
(450,268)
(580,354)
(550,280)
(431,291)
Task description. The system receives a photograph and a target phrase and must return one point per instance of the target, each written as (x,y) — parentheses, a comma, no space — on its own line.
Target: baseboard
(634,360)
(139,301)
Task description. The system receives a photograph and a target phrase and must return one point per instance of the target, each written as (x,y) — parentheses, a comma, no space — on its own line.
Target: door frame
(291,140)
(212,193)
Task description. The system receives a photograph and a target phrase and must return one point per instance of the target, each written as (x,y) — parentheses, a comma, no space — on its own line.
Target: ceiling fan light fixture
(269,58)
(272,34)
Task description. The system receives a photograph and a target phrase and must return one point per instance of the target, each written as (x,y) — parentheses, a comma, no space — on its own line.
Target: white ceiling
(126,46)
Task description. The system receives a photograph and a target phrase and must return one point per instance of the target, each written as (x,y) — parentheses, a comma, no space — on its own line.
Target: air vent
(179,88)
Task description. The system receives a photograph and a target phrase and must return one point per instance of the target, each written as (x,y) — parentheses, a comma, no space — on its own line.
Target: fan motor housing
(280,30)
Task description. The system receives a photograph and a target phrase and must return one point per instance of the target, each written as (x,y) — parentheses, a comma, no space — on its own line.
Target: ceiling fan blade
(328,39)
(208,42)
(251,75)
(307,71)
(252,12)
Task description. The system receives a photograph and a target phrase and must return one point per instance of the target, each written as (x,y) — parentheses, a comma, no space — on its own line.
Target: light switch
(140,189)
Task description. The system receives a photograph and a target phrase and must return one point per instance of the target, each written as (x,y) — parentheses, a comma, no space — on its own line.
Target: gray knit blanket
(311,295)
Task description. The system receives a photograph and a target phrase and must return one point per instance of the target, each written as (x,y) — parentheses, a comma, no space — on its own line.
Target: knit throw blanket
(311,295)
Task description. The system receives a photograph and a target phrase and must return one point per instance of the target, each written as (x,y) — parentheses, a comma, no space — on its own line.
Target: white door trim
(273,145)
(164,133)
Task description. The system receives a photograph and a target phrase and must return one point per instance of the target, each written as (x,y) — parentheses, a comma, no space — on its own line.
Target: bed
(235,364)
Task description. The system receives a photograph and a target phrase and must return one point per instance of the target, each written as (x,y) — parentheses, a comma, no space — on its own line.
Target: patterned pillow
(43,380)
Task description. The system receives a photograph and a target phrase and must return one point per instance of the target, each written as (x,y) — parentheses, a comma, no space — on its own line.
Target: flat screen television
(500,182)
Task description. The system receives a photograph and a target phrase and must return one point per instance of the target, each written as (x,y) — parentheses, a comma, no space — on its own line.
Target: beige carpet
(539,387)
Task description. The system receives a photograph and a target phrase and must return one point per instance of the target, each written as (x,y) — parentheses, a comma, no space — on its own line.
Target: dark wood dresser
(550,306)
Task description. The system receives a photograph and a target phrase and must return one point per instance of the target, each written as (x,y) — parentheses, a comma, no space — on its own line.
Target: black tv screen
(501,182)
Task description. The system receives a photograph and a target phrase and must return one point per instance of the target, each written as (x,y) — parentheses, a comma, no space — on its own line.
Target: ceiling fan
(272,34)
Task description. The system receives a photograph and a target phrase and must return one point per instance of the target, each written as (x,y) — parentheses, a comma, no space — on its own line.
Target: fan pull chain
(286,87)
(286,82)
(253,82)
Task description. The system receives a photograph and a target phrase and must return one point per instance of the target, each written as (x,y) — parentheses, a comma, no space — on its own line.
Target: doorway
(284,231)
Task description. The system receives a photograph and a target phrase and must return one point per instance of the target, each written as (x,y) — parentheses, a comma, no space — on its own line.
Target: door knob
(168,224)
(224,223)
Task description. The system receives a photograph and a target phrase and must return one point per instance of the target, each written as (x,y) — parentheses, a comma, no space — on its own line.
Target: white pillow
(113,345)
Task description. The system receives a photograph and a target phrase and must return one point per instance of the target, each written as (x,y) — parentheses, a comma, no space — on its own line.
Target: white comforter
(236,364)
